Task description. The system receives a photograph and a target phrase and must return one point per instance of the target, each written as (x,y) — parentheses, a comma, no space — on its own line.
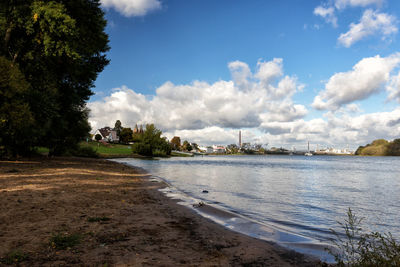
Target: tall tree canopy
(59,46)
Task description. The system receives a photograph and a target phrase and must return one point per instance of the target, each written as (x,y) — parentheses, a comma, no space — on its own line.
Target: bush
(142,149)
(64,241)
(159,153)
(364,249)
(150,143)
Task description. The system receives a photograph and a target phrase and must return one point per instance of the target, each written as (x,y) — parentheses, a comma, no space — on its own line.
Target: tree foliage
(187,146)
(176,143)
(98,137)
(59,48)
(118,127)
(380,147)
(151,143)
(126,135)
(16,118)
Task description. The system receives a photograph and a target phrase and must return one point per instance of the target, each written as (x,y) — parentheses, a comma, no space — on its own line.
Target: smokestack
(240,138)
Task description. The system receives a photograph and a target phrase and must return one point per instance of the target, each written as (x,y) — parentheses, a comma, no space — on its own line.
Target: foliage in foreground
(50,55)
(356,248)
(150,143)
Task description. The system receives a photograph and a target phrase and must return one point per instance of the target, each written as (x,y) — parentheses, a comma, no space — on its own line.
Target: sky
(283,72)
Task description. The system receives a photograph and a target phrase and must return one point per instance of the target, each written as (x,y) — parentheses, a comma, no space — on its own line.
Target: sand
(119,217)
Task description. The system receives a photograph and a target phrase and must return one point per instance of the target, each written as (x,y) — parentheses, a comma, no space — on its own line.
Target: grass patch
(61,241)
(14,257)
(98,219)
(105,150)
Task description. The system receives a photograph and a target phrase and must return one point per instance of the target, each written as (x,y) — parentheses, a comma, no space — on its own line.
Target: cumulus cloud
(131,8)
(394,88)
(244,102)
(371,23)
(328,13)
(260,103)
(341,4)
(367,77)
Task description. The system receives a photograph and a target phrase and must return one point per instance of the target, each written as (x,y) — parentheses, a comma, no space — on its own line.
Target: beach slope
(75,211)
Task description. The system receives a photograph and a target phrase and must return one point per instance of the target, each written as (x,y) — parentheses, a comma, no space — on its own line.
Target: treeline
(380,147)
(50,55)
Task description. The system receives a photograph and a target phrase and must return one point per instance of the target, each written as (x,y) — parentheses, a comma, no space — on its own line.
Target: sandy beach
(119,218)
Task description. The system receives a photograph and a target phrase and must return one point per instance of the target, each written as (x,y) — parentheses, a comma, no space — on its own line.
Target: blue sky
(284,72)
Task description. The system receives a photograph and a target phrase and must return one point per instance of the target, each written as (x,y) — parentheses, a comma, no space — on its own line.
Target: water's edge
(244,225)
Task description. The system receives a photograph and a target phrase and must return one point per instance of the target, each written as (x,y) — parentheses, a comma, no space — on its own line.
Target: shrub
(356,248)
(98,219)
(98,137)
(14,257)
(142,149)
(85,151)
(65,241)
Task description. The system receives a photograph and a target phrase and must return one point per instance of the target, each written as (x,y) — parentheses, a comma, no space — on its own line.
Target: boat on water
(308,153)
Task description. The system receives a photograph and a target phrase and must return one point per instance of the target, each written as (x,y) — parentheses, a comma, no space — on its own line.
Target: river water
(295,194)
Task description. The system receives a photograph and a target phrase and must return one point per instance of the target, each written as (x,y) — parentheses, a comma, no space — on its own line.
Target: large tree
(59,47)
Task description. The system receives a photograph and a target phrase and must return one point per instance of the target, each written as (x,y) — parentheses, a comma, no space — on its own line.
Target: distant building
(138,129)
(107,134)
(206,149)
(218,149)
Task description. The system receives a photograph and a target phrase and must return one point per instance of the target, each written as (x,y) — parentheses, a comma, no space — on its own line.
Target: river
(295,194)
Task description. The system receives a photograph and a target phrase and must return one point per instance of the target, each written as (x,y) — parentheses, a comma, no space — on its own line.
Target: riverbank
(74,211)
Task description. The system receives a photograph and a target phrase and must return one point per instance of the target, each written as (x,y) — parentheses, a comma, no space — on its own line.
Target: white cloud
(207,136)
(367,77)
(260,104)
(394,88)
(371,23)
(341,4)
(130,8)
(328,13)
(244,102)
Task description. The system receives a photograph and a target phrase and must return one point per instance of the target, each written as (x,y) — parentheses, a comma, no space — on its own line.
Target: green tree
(151,143)
(187,146)
(98,137)
(176,143)
(393,148)
(16,119)
(232,148)
(59,46)
(118,128)
(126,135)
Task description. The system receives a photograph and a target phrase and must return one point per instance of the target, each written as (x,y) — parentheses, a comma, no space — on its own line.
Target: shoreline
(236,222)
(44,197)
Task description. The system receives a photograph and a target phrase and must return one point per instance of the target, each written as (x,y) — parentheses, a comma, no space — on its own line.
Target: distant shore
(115,215)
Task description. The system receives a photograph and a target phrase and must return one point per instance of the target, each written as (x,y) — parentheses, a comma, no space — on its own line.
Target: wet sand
(120,217)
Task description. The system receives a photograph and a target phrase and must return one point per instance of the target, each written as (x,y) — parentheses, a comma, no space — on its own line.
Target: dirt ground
(93,212)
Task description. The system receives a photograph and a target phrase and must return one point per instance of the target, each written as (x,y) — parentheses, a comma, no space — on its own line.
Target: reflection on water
(305,195)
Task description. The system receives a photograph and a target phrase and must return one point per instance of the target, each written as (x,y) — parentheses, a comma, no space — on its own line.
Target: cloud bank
(260,103)
(131,8)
